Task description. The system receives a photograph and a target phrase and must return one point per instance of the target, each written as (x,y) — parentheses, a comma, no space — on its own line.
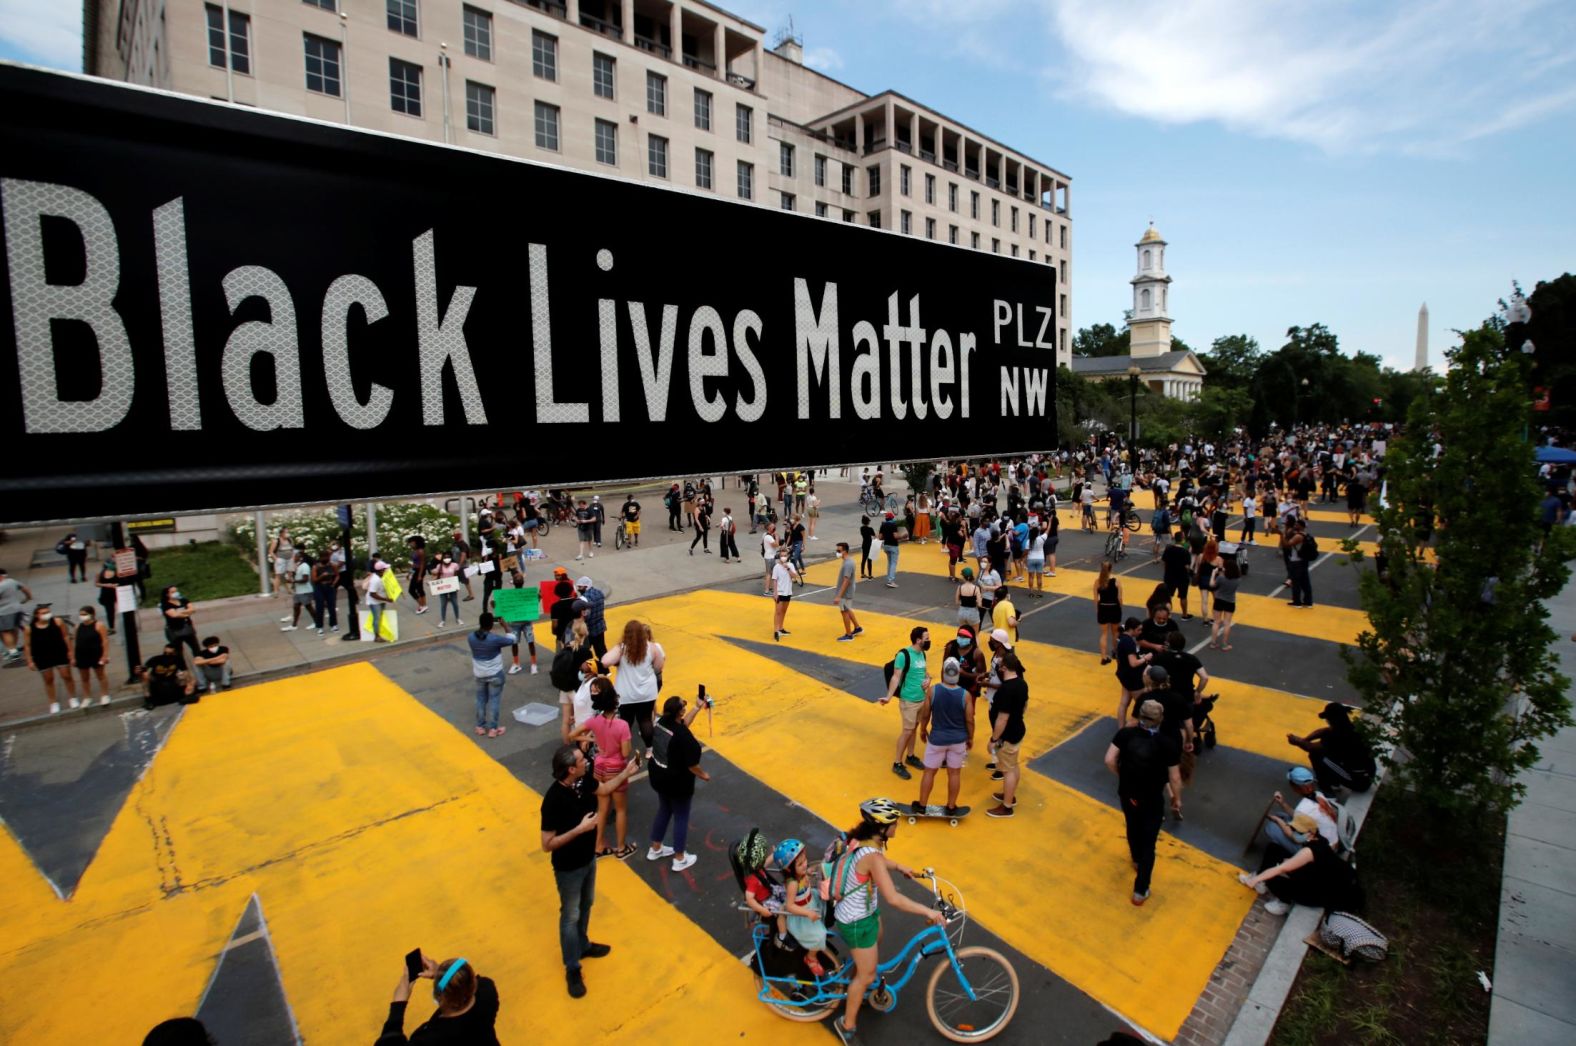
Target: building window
(1047,234)
(952,235)
(905,222)
(974,240)
(820,210)
(875,219)
(702,109)
(743,118)
(327,5)
(848,216)
(703,168)
(787,202)
(848,180)
(544,55)
(1063,304)
(657,156)
(1031,226)
(952,197)
(546,126)
(607,142)
(820,171)
(995,246)
(995,212)
(603,75)
(1015,250)
(322,65)
(904,174)
(479,103)
(1063,273)
(746,181)
(656,94)
(478,32)
(785,159)
(930,228)
(873,180)
(238,46)
(404,87)
(1063,335)
(930,188)
(1031,253)
(974,205)
(402,16)
(1064,237)
(1015,219)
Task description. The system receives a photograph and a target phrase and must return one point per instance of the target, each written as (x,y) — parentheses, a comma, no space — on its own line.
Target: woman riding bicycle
(862,876)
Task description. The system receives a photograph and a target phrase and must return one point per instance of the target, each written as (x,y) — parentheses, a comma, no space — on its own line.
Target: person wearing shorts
(946,722)
(909,684)
(783,578)
(847,580)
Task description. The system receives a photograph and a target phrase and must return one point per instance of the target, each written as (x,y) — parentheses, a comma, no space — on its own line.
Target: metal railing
(645,43)
(605,28)
(948,165)
(691,62)
(905,147)
(556,8)
(745,82)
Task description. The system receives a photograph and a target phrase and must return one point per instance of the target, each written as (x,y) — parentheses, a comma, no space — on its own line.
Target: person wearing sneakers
(889,548)
(847,581)
(675,767)
(909,683)
(1282,839)
(861,880)
(487,666)
(1314,876)
(1007,730)
(302,593)
(783,578)
(596,614)
(1145,760)
(946,725)
(524,630)
(568,825)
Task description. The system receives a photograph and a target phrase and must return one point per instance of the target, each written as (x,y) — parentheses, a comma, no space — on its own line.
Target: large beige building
(676,91)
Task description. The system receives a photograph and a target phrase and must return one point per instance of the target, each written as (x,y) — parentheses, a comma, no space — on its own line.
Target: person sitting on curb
(1314,876)
(946,725)
(1311,803)
(212,666)
(165,679)
(1338,754)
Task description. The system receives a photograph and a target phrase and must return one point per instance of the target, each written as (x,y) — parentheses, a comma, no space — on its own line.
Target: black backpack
(1310,547)
(891,666)
(565,670)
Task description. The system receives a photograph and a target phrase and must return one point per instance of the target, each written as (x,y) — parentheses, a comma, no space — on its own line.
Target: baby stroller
(1203,723)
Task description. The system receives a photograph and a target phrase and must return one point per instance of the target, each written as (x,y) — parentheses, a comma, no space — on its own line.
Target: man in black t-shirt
(1186,671)
(1145,760)
(1175,561)
(165,679)
(1157,627)
(631,514)
(568,830)
(1007,730)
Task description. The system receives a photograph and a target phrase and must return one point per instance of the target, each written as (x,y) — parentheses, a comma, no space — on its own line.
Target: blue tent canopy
(1555,455)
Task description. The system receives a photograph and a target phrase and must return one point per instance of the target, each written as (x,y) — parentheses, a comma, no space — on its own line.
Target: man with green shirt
(909,684)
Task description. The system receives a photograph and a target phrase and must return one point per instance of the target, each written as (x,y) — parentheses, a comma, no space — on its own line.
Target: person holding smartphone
(675,767)
(569,824)
(467,1005)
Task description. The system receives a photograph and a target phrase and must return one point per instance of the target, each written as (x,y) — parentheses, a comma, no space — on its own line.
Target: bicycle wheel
(995,985)
(1114,549)
(893,503)
(778,999)
(1132,522)
(542,526)
(618,537)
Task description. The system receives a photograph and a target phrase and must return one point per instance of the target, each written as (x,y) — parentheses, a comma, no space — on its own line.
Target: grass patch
(1438,902)
(205,570)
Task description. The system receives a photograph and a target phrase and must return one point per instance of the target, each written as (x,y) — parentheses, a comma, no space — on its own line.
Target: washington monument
(1422,338)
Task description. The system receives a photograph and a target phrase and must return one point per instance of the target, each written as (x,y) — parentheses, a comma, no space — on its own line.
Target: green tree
(1102,339)
(1232,361)
(1553,334)
(1457,666)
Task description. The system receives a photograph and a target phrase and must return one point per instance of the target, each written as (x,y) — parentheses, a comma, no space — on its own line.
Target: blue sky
(1337,162)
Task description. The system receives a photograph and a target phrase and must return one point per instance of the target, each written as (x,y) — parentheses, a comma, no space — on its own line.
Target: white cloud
(48,32)
(1344,75)
(822,58)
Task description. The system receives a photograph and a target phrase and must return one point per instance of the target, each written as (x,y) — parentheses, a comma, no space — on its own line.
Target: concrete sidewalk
(1535,956)
(250,625)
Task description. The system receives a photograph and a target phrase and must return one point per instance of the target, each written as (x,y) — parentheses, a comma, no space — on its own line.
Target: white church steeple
(1150,325)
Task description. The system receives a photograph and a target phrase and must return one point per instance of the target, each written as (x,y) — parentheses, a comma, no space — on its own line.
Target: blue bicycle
(973,1005)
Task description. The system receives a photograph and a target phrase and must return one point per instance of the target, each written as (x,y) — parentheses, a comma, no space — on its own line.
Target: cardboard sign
(508,563)
(390,625)
(125,599)
(443,585)
(486,566)
(516,604)
(472,570)
(125,562)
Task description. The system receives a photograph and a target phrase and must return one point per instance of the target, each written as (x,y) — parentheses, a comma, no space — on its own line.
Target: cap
(560,574)
(1000,635)
(966,630)
(950,671)
(889,515)
(1300,775)
(1302,824)
(596,497)
(1150,713)
(1335,710)
(378,564)
(583,582)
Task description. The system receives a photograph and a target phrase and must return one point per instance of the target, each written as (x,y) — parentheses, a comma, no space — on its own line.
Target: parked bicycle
(974,1004)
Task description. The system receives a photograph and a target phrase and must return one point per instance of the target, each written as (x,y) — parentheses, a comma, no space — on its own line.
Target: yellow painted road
(1054,881)
(366,825)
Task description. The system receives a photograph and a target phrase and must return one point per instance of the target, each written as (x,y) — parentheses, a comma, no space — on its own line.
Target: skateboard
(938,813)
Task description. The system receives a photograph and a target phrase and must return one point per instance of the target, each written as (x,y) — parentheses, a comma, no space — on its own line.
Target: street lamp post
(1132,405)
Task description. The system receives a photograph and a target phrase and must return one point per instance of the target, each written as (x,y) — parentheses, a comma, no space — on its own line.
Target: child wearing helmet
(802,905)
(762,895)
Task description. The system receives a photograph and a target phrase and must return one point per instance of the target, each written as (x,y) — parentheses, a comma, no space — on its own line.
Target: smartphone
(413,964)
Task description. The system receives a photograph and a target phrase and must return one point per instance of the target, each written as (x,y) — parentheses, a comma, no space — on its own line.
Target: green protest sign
(517,604)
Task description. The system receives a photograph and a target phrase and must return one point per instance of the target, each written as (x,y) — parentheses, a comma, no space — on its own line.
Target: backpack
(891,666)
(837,869)
(1350,936)
(62,546)
(565,670)
(1310,548)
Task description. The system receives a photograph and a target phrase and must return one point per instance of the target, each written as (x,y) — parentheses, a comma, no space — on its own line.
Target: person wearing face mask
(783,578)
(448,602)
(178,624)
(1145,760)
(972,667)
(847,580)
(47,647)
(325,582)
(90,654)
(909,683)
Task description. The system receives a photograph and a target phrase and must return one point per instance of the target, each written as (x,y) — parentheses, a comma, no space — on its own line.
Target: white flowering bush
(313,530)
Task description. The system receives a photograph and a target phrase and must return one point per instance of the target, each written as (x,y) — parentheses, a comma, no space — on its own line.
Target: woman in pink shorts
(611,735)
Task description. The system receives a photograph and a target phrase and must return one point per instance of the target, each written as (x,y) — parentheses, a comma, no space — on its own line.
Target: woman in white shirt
(639,680)
(769,555)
